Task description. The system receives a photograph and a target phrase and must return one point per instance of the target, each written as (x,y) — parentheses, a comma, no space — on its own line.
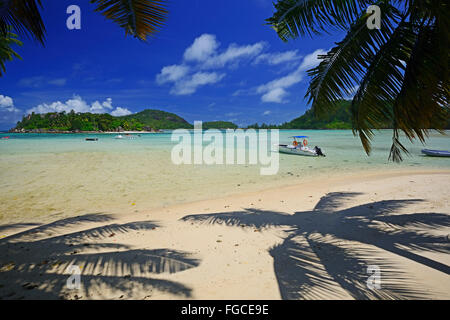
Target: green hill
(74,122)
(157,119)
(340,118)
(219,125)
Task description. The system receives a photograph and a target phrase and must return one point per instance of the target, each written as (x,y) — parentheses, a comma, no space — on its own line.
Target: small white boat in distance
(300,148)
(118,137)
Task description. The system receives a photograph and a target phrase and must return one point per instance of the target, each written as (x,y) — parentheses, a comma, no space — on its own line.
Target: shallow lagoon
(48,175)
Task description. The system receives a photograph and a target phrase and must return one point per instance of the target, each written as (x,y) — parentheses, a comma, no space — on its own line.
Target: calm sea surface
(63,175)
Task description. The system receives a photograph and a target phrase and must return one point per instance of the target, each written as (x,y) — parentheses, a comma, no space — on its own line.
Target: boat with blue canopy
(300,148)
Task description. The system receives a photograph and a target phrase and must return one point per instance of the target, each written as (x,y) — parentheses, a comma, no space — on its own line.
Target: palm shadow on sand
(328,248)
(43,269)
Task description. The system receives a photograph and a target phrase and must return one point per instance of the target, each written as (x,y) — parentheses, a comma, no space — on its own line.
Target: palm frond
(373,103)
(425,88)
(6,51)
(139,18)
(299,17)
(23,17)
(344,65)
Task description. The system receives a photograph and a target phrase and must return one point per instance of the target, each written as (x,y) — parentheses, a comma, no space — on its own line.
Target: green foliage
(6,52)
(156,119)
(338,118)
(144,120)
(219,125)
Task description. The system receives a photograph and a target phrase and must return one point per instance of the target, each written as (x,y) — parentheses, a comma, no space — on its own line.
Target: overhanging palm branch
(139,18)
(6,51)
(401,70)
(24,18)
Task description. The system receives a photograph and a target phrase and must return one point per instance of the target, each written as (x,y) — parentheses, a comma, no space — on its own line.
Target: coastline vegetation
(146,120)
(153,120)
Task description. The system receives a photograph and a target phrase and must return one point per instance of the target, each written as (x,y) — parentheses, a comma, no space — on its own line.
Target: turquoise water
(62,174)
(340,146)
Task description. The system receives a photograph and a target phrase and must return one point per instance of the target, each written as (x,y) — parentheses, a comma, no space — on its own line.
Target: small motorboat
(436,153)
(91,139)
(300,148)
(118,136)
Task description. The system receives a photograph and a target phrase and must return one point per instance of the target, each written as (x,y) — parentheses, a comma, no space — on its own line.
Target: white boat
(118,137)
(300,148)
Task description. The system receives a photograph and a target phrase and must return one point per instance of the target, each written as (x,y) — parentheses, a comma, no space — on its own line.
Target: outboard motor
(318,151)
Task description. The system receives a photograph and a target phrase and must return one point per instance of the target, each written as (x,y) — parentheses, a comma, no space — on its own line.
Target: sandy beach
(304,241)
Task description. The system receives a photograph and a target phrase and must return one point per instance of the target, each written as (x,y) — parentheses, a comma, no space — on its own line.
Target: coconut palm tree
(139,18)
(6,52)
(400,70)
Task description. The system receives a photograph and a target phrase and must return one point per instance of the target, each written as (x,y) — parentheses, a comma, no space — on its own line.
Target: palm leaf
(23,17)
(373,104)
(425,88)
(6,52)
(139,18)
(299,17)
(344,65)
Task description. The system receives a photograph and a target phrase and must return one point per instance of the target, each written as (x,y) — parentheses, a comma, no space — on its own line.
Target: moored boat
(300,148)
(436,153)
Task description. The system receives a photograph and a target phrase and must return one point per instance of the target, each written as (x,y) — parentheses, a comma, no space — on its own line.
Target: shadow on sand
(328,250)
(41,273)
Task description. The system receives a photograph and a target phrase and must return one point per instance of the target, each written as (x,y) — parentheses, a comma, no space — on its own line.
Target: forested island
(154,120)
(146,120)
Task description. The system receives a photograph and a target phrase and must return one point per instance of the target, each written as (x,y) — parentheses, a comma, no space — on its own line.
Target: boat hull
(436,153)
(296,151)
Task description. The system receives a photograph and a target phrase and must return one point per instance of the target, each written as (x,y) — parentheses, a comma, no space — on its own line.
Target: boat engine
(318,151)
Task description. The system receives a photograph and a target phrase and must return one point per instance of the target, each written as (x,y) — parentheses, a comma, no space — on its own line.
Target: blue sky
(213,60)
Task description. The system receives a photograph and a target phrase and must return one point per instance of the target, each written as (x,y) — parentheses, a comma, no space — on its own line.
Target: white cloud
(58,82)
(120,112)
(275,90)
(8,112)
(274,95)
(203,54)
(172,73)
(40,81)
(267,112)
(77,104)
(190,84)
(312,59)
(278,57)
(6,102)
(103,107)
(202,48)
(233,54)
(233,114)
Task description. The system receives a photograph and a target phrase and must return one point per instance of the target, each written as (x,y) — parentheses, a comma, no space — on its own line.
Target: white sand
(300,242)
